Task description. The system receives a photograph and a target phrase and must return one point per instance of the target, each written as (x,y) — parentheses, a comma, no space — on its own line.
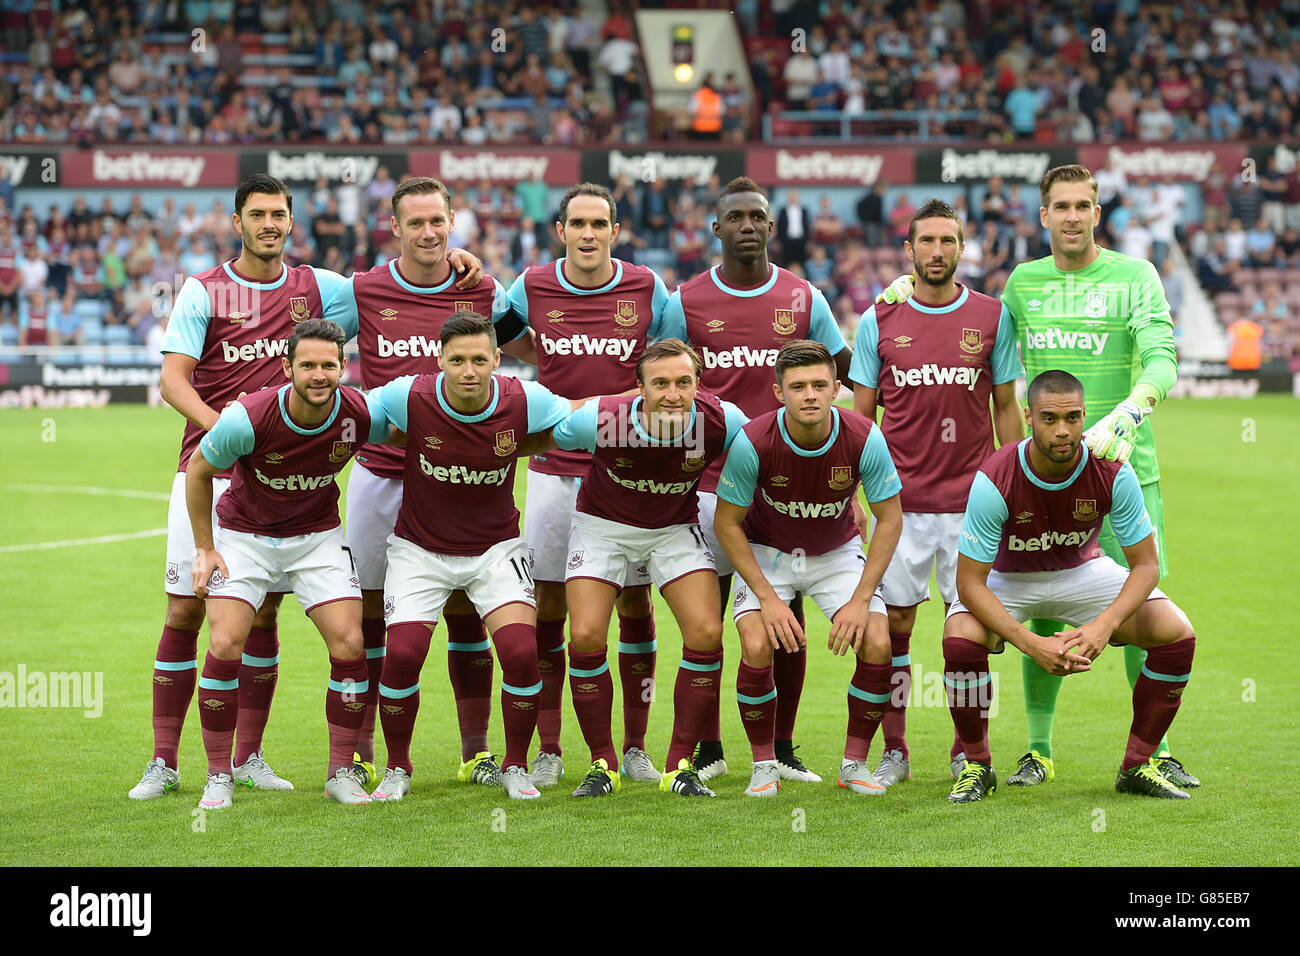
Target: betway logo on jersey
(620,349)
(262,348)
(1090,342)
(145,167)
(931,374)
(1048,540)
(294,482)
(460,475)
(742,356)
(414,346)
(654,487)
(806,509)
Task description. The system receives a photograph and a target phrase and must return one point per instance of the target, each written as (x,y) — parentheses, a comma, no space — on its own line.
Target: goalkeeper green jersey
(1107,324)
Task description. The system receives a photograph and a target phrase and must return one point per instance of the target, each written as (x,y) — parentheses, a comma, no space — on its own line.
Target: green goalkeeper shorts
(1156,511)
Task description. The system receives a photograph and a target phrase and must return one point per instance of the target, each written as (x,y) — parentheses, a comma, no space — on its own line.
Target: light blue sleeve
(1005,358)
(230,438)
(578,431)
(500,302)
(392,399)
(545,408)
(865,368)
(736,420)
(187,329)
(657,304)
(379,423)
(672,324)
(740,473)
(981,528)
(1128,509)
(876,468)
(822,326)
(340,300)
(518,297)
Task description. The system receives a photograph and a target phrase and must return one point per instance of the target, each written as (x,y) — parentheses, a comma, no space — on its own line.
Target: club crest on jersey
(715,325)
(1094,304)
(298,310)
(903,341)
(694,461)
(341,451)
(778,481)
(841,477)
(434,443)
(970,341)
(741,594)
(506,445)
(274,458)
(1085,509)
(388,315)
(626,314)
(462,306)
(783,321)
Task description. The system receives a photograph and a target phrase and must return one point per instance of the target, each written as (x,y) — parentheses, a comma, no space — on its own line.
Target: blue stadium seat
(8,334)
(92,332)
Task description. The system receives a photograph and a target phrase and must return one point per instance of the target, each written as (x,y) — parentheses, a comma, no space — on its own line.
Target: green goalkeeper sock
(1134,658)
(1041,689)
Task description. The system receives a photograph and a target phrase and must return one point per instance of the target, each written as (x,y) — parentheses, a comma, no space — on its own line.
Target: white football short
(317,566)
(549,506)
(611,551)
(1074,596)
(829,579)
(928,541)
(178,576)
(708,509)
(419,581)
(373,503)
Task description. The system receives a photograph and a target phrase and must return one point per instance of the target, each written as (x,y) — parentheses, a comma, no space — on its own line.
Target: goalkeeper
(1102,316)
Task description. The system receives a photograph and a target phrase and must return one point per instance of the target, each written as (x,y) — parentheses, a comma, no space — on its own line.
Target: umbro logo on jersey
(903,341)
(716,325)
(1033,305)
(237,316)
(388,315)
(555,315)
(778,481)
(274,458)
(434,443)
(1024,516)
(622,462)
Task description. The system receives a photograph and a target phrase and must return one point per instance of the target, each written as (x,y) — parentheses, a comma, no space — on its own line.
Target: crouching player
(785,520)
(281,517)
(1029,549)
(458,529)
(637,506)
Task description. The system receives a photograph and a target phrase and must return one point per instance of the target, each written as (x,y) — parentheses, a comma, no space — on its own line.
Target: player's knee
(184,613)
(404,655)
(902,619)
(551,604)
(349,646)
(634,602)
(225,645)
(269,611)
(587,638)
(876,648)
(706,636)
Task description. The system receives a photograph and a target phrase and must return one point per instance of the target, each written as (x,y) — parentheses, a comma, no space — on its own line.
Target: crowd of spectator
(462,71)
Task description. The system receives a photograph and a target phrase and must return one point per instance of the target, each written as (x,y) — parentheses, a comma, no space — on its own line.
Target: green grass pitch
(1229,485)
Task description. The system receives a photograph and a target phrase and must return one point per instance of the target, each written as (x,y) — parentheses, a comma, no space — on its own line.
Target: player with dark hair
(637,506)
(1029,549)
(280,519)
(225,338)
(592,316)
(933,362)
(738,315)
(458,529)
(399,309)
(785,521)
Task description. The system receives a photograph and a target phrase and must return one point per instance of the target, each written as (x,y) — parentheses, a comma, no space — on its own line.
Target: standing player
(637,506)
(1045,563)
(1103,316)
(399,308)
(226,337)
(458,529)
(738,315)
(280,518)
(933,362)
(592,316)
(785,522)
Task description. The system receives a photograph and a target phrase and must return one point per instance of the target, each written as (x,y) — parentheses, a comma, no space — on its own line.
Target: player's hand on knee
(900,290)
(849,629)
(205,562)
(783,630)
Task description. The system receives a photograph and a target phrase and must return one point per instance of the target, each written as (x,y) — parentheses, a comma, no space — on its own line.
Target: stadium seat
(8,335)
(92,332)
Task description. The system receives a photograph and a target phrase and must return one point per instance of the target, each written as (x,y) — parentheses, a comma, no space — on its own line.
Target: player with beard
(738,315)
(593,316)
(932,361)
(399,308)
(227,337)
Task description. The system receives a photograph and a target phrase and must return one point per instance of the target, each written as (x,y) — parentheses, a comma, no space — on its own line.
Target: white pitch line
(74,542)
(82,490)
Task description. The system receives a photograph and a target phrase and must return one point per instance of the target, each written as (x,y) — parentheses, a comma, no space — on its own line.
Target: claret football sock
(637,655)
(967,681)
(694,694)
(399,690)
(372,636)
(175,670)
(521,689)
(868,696)
(894,723)
(1156,696)
(756,695)
(1134,658)
(258,673)
(593,701)
(469,665)
(218,710)
(348,686)
(550,662)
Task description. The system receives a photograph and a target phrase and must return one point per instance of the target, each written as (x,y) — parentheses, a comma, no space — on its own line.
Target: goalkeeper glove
(1112,438)
(900,290)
